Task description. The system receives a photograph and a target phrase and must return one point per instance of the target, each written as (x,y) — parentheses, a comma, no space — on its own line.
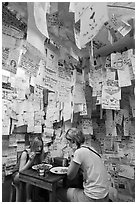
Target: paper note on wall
(51,62)
(132,105)
(119,117)
(64,71)
(12,140)
(5,55)
(87,127)
(84,109)
(126,171)
(64,90)
(67,111)
(79,95)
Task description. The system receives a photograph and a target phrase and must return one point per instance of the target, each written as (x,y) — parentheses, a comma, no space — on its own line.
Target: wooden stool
(12,193)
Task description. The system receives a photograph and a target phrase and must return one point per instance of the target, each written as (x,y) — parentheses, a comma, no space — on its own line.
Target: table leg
(22,192)
(52,194)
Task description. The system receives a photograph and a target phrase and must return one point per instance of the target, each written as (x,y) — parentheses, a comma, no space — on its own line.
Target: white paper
(125,28)
(91,22)
(79,94)
(34,36)
(124,77)
(87,127)
(126,171)
(38,129)
(111,94)
(40,10)
(84,109)
(79,8)
(67,111)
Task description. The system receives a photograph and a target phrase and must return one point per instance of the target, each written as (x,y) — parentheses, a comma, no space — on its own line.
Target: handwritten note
(79,8)
(111,94)
(64,90)
(87,127)
(91,21)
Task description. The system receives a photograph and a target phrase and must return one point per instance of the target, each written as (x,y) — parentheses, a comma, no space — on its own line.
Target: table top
(49,177)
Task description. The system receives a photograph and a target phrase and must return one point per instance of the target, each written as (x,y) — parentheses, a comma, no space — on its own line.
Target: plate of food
(59,170)
(42,166)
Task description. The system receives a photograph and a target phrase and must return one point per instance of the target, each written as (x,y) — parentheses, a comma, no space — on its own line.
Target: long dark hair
(33,145)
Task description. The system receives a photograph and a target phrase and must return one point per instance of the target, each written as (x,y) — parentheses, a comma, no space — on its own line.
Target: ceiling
(63,32)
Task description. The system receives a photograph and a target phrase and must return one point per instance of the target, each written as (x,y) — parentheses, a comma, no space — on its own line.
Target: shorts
(78,195)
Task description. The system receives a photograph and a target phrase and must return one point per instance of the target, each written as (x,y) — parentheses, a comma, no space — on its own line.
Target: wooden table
(48,182)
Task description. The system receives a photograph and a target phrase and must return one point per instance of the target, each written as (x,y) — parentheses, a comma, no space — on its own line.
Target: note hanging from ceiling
(64,71)
(34,36)
(124,77)
(111,94)
(79,8)
(49,70)
(67,111)
(64,90)
(39,78)
(79,94)
(121,63)
(118,24)
(28,64)
(96,79)
(40,10)
(91,22)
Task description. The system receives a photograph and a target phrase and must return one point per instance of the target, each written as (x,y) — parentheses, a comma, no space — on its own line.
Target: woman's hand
(32,156)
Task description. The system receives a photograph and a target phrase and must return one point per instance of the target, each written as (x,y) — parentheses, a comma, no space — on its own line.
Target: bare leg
(17,186)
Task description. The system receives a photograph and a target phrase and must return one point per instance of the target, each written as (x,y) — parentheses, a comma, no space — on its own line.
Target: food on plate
(42,166)
(64,170)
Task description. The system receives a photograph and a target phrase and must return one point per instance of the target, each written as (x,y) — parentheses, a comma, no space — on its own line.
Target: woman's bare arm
(23,164)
